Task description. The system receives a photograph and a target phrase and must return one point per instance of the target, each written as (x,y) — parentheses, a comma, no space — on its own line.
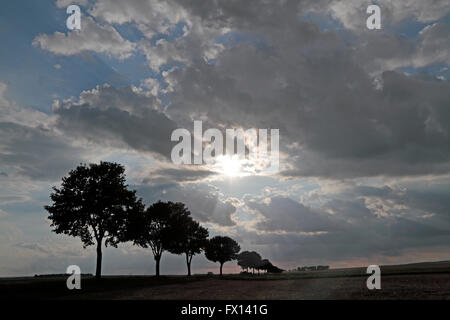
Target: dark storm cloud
(123,117)
(333,120)
(339,115)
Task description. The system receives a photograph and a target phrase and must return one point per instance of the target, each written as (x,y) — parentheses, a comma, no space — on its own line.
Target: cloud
(284,214)
(35,152)
(151,16)
(29,146)
(204,201)
(66,3)
(9,232)
(155,18)
(92,37)
(344,225)
(11,112)
(434,46)
(319,87)
(36,247)
(163,175)
(379,52)
(352,14)
(6,199)
(118,117)
(333,120)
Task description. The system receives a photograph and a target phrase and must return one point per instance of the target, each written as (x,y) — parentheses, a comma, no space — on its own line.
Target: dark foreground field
(416,281)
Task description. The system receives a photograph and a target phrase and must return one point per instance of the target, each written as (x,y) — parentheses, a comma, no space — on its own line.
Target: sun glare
(230,166)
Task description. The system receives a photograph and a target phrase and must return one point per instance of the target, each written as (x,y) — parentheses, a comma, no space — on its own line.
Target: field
(414,281)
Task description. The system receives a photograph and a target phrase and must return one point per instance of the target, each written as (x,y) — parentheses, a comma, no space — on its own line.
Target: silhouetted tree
(221,249)
(269,267)
(264,265)
(247,259)
(273,269)
(243,260)
(255,261)
(160,227)
(93,203)
(193,241)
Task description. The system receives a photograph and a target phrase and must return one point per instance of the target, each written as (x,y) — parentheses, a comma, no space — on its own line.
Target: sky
(363,116)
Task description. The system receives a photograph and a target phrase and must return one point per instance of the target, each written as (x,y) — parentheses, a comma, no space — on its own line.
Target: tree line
(252,260)
(95,204)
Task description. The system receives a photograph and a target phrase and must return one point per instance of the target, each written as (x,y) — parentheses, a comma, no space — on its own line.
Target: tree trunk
(221,265)
(98,270)
(188,262)
(157,260)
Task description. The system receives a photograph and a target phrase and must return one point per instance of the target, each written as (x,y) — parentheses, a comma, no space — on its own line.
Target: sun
(230,166)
